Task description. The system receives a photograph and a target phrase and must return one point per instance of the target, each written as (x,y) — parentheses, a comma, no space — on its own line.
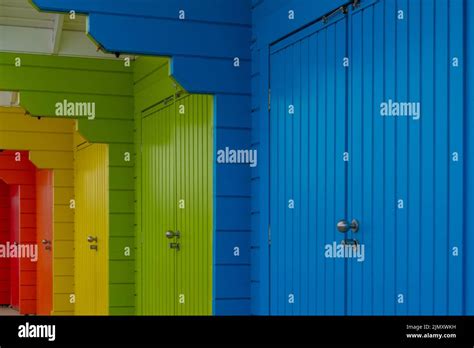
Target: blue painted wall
(203,48)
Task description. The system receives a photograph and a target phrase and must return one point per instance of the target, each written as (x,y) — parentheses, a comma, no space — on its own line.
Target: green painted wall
(45,80)
(175,152)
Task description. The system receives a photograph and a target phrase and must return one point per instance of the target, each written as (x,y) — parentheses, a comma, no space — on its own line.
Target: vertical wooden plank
(402,195)
(441,160)
(276,102)
(415,238)
(391,297)
(428,155)
(288,183)
(456,270)
(355,198)
(321,210)
(339,287)
(314,243)
(305,234)
(368,228)
(378,166)
(295,251)
(331,72)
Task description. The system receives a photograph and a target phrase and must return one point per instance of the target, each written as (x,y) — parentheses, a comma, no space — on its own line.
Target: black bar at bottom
(236,330)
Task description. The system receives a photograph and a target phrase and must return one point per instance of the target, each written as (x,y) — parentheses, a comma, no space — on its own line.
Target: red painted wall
(22,174)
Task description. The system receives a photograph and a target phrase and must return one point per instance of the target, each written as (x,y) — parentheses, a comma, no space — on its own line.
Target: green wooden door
(176,196)
(158,212)
(194,214)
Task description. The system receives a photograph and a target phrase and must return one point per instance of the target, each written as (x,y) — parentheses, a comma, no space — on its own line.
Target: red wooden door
(17,171)
(4,237)
(14,238)
(44,215)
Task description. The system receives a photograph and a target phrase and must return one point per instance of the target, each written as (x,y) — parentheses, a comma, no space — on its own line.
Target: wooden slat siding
(204,68)
(109,84)
(23,173)
(58,157)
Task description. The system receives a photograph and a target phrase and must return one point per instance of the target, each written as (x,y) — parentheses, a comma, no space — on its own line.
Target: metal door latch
(343,226)
(174,246)
(91,239)
(93,247)
(351,242)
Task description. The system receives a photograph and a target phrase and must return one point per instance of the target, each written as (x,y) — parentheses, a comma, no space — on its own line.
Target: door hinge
(269,235)
(269,99)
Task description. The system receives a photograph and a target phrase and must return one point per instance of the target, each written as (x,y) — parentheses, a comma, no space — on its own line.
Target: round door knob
(171,234)
(343,226)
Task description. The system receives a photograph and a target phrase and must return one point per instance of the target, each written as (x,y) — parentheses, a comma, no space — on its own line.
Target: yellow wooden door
(91,230)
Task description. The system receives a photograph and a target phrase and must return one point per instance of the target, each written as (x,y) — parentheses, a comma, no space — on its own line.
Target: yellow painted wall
(92,220)
(50,144)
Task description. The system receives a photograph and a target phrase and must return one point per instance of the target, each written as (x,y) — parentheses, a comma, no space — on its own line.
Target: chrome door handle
(172,234)
(45,241)
(91,239)
(343,226)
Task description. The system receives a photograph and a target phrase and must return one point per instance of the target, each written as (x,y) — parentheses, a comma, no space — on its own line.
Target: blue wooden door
(367,134)
(308,172)
(405,174)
